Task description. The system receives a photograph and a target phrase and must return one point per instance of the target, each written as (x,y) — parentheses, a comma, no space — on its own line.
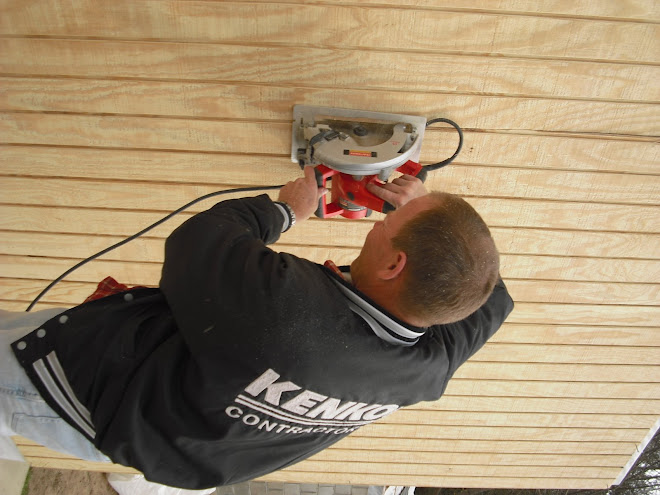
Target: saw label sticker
(369,154)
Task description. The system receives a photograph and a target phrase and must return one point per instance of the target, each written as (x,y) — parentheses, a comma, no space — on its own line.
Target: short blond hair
(452,263)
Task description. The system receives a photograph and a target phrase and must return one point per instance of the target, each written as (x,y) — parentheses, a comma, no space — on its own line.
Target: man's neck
(386,295)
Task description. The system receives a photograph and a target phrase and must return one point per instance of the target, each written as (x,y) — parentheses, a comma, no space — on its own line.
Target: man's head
(431,261)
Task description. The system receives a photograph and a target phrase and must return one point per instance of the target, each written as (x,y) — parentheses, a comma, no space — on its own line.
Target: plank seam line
(221,186)
(412,462)
(282,156)
(357,248)
(499,363)
(433,410)
(188,213)
(552,399)
(447,476)
(570,325)
(508,426)
(586,135)
(326,48)
(462,10)
(338,448)
(561,364)
(279,156)
(589,346)
(322,87)
(358,434)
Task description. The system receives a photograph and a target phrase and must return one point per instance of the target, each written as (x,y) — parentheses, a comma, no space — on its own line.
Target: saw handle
(346,186)
(408,168)
(324,210)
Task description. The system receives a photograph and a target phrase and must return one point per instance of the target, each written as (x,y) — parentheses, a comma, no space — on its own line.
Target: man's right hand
(302,194)
(399,191)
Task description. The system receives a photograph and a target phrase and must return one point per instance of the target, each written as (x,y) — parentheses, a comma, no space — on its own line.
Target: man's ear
(394,266)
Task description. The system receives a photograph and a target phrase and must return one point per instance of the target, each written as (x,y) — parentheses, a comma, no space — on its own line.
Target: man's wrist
(288,214)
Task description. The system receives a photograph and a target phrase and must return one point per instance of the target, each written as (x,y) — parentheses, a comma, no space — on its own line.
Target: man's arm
(218,268)
(464,338)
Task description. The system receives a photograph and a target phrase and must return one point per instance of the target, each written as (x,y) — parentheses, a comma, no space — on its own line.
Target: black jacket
(244,361)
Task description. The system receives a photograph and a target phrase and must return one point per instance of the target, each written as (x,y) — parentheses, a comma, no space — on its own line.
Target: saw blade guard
(355,142)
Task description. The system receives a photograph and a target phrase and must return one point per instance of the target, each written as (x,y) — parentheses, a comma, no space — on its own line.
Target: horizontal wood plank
(512,265)
(281,65)
(355,478)
(355,442)
(497,212)
(412,469)
(340,26)
(71,293)
(642,10)
(555,291)
(487,149)
(571,334)
(547,353)
(569,389)
(542,404)
(113,114)
(509,241)
(411,416)
(336,454)
(502,181)
(226,101)
(614,373)
(41,457)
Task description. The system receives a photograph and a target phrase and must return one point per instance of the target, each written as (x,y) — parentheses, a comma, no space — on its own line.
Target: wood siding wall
(114,113)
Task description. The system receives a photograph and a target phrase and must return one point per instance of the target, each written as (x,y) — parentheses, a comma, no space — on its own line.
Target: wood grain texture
(516,266)
(210,100)
(642,10)
(281,65)
(114,113)
(550,243)
(499,211)
(341,26)
(531,181)
(555,291)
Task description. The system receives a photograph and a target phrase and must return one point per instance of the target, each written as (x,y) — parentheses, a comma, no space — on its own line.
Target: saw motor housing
(353,148)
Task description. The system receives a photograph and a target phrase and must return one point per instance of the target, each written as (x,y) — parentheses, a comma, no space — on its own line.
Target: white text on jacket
(316,413)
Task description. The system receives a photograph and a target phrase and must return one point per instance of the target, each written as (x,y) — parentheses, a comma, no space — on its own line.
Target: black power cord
(144,231)
(421,175)
(435,166)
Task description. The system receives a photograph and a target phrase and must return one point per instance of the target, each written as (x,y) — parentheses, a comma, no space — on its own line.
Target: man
(245,360)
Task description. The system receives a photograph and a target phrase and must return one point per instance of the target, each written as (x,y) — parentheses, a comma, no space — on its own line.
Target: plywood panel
(281,65)
(340,26)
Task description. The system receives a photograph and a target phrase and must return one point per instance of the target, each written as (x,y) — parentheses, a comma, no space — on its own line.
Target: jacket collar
(384,325)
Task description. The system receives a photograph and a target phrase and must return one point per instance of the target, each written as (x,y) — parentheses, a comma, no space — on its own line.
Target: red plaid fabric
(107,287)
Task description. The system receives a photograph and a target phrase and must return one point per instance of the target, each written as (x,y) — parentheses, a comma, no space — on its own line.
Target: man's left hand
(399,191)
